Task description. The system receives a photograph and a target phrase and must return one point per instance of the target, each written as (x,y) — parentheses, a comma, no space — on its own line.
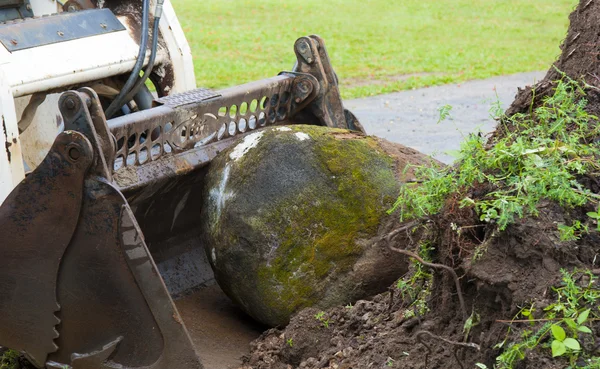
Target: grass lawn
(376,46)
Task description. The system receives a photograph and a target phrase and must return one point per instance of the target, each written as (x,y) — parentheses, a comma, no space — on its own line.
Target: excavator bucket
(83,233)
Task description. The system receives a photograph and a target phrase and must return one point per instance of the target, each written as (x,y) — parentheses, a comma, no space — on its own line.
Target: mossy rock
(291,215)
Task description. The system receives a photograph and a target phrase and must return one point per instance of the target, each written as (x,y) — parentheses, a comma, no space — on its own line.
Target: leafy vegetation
(414,287)
(566,321)
(375,47)
(321,317)
(10,360)
(541,155)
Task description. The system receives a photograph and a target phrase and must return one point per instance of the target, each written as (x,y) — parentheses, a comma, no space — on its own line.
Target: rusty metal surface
(111,290)
(100,298)
(328,107)
(36,224)
(115,304)
(146,136)
(84,253)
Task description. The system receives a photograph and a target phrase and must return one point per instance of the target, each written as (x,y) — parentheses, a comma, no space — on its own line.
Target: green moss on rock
(290,218)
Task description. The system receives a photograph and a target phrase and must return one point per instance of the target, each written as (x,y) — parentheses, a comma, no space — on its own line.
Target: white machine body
(41,73)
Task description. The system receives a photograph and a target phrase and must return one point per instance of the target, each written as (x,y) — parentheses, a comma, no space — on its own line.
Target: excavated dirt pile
(486,292)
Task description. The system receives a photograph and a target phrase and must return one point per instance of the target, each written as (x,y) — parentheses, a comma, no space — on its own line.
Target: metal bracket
(327,107)
(24,34)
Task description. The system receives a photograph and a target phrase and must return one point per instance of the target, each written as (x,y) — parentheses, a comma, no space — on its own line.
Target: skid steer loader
(100,181)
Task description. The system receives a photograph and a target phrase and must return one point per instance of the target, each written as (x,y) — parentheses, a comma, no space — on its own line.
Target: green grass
(370,41)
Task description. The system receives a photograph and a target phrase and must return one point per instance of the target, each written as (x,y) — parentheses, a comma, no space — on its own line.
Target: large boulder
(291,215)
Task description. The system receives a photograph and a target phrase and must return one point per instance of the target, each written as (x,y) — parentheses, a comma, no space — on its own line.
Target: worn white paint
(283,129)
(302,136)
(247,143)
(47,122)
(180,55)
(44,7)
(70,62)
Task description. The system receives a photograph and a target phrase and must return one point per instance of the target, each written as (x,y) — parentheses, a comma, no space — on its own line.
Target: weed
(320,316)
(10,360)
(414,287)
(540,157)
(444,113)
(566,320)
(290,342)
(471,322)
(596,216)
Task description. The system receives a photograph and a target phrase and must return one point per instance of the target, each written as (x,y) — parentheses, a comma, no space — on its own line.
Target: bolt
(302,46)
(304,50)
(103,25)
(72,8)
(70,103)
(14,42)
(60,33)
(301,90)
(74,153)
(28,7)
(302,87)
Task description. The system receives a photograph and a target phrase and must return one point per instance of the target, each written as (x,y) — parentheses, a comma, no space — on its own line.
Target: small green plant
(565,320)
(414,287)
(473,320)
(539,156)
(389,362)
(290,342)
(561,343)
(596,216)
(10,360)
(320,316)
(444,112)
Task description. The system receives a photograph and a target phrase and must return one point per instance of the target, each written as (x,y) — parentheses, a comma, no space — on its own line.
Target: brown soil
(219,329)
(519,267)
(580,59)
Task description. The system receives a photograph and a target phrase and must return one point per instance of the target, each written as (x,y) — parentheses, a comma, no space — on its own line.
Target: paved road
(410,117)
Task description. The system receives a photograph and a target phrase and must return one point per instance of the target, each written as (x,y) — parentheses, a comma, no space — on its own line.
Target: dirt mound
(497,282)
(518,271)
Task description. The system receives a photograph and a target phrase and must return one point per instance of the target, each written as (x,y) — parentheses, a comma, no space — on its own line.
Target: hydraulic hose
(119,101)
(140,82)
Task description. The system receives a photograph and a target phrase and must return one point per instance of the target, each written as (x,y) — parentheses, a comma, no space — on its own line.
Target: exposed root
(405,227)
(438,266)
(457,346)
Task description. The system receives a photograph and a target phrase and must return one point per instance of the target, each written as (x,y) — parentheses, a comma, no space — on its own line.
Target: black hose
(140,82)
(119,101)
